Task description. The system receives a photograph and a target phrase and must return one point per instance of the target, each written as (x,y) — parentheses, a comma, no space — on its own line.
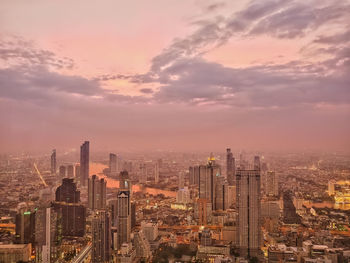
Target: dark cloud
(146,91)
(17,51)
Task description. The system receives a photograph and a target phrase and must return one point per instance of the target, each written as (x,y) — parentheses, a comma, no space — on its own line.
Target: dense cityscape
(174,131)
(174,207)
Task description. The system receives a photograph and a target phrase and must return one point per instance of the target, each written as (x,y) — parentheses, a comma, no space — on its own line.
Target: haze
(175,75)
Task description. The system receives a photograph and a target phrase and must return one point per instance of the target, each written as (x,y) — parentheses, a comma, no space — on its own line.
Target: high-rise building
(84,162)
(256,163)
(183,196)
(46,235)
(25,226)
(53,162)
(194,175)
(72,218)
(156,172)
(96,193)
(230,167)
(248,206)
(142,246)
(101,237)
(124,181)
(208,175)
(77,171)
(70,171)
(221,194)
(113,164)
(181,180)
(123,216)
(271,185)
(67,192)
(62,171)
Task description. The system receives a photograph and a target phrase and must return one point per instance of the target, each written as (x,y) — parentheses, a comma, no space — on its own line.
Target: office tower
(113,164)
(194,175)
(67,192)
(290,215)
(181,180)
(124,181)
(25,226)
(46,235)
(72,218)
(84,162)
(231,196)
(62,172)
(123,217)
(248,206)
(221,194)
(96,193)
(230,167)
(156,173)
(53,162)
(133,215)
(101,237)
(70,171)
(113,204)
(271,187)
(207,181)
(77,171)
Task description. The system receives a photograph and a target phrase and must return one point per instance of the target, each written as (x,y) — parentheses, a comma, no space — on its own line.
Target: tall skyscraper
(123,216)
(113,164)
(101,237)
(248,206)
(96,193)
(25,226)
(67,192)
(181,180)
(77,171)
(208,175)
(53,162)
(230,167)
(84,162)
(46,235)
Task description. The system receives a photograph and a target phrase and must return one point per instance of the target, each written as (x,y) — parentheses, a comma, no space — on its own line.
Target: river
(97,168)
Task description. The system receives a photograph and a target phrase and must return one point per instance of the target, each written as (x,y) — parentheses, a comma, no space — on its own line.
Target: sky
(180,75)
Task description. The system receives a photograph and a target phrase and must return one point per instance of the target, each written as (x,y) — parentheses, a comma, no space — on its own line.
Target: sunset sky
(175,75)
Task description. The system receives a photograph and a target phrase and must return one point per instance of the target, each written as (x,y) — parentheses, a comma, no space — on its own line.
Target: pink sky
(182,75)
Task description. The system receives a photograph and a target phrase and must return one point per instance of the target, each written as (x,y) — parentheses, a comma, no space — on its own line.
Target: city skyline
(270,75)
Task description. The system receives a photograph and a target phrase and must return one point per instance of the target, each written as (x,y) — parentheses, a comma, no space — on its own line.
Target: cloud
(146,91)
(16,51)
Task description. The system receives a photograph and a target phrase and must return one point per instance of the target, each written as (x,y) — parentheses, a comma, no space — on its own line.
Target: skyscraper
(25,226)
(53,162)
(230,167)
(248,206)
(70,171)
(84,162)
(62,171)
(156,172)
(113,164)
(101,237)
(271,184)
(46,237)
(207,181)
(67,192)
(96,193)
(123,216)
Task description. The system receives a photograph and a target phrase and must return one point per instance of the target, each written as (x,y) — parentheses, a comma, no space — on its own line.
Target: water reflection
(97,168)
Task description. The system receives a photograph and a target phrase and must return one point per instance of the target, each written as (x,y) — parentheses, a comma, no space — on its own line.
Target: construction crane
(38,172)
